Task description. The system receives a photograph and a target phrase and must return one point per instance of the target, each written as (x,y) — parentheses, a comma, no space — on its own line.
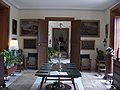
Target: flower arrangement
(109,51)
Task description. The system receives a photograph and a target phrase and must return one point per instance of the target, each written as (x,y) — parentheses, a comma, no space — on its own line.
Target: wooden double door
(4,25)
(43,42)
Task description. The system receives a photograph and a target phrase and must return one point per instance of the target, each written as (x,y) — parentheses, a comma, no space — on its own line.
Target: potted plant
(9,58)
(51,53)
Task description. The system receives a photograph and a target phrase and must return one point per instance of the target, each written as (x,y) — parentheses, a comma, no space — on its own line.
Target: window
(117,36)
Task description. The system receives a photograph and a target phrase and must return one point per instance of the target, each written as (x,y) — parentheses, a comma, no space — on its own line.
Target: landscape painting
(90,28)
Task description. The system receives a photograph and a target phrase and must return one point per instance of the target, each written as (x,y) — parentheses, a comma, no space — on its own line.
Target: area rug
(28,81)
(68,84)
(24,82)
(91,82)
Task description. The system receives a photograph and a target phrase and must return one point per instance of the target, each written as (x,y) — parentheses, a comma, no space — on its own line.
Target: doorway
(59,37)
(43,42)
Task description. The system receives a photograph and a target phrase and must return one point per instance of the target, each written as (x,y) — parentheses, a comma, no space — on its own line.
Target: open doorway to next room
(59,37)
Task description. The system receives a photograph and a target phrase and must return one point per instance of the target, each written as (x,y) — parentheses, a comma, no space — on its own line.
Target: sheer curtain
(117,37)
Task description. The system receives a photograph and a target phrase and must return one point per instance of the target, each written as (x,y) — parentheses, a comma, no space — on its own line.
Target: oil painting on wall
(28,27)
(29,43)
(87,44)
(90,28)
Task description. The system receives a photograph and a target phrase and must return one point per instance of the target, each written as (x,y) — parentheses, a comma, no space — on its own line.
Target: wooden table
(68,71)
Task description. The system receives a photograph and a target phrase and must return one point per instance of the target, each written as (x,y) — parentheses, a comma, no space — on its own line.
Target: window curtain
(117,37)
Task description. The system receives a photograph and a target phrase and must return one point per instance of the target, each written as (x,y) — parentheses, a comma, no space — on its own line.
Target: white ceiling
(63,4)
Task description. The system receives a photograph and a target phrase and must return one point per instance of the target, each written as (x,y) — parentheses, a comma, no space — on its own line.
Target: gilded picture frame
(28,27)
(87,45)
(29,43)
(90,28)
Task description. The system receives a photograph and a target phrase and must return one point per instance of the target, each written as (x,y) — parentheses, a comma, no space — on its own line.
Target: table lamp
(13,45)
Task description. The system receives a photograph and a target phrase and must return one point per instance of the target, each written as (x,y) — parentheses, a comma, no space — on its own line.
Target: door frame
(59,19)
(76,44)
(113,12)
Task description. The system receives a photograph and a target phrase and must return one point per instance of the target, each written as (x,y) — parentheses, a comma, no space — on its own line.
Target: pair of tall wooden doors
(43,42)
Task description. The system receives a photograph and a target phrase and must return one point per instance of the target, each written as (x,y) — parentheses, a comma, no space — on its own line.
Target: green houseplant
(9,58)
(51,53)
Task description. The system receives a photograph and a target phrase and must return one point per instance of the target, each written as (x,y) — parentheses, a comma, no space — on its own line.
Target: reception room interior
(59,45)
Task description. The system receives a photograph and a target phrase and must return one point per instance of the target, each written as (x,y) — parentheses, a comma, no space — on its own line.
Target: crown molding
(12,2)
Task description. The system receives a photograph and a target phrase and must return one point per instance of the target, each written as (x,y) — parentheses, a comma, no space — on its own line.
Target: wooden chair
(100,62)
(85,62)
(32,61)
(21,62)
(100,66)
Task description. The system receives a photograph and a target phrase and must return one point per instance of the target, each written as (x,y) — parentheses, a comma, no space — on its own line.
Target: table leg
(73,83)
(41,83)
(45,79)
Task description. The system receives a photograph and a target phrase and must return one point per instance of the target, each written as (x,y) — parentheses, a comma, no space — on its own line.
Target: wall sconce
(105,42)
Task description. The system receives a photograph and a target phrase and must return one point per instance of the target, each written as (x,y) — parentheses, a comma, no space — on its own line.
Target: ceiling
(64,4)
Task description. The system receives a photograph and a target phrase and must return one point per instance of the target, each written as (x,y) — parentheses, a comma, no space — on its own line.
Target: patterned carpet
(49,83)
(24,82)
(91,82)
(28,81)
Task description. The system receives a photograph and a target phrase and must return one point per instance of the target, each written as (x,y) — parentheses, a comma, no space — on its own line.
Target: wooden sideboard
(116,74)
(2,82)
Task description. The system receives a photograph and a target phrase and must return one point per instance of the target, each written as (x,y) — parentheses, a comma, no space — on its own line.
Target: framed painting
(29,43)
(87,44)
(28,27)
(90,28)
(14,26)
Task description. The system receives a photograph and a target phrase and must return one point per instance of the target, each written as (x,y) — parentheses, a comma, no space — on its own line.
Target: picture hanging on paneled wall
(87,44)
(29,43)
(90,28)
(28,27)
